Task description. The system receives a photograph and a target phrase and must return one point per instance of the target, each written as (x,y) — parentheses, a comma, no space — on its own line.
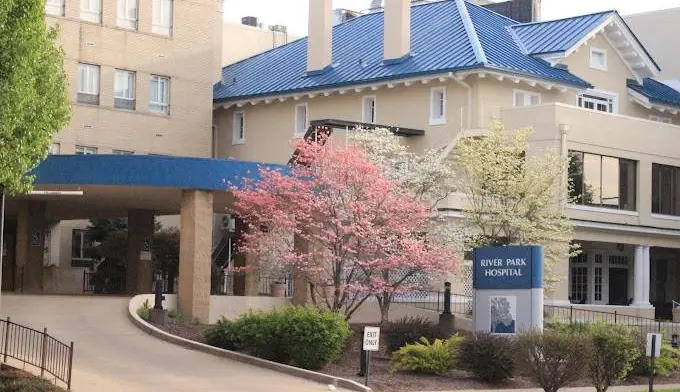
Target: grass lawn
(19,381)
(661,389)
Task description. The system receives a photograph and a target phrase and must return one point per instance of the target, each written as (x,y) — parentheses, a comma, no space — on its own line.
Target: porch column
(641,276)
(30,246)
(196,225)
(139,264)
(648,275)
(301,292)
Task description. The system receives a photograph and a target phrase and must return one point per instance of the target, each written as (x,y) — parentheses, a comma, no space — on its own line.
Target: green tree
(33,100)
(515,196)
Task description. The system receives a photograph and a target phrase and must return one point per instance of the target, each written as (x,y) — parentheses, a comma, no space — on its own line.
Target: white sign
(371,338)
(145,255)
(657,345)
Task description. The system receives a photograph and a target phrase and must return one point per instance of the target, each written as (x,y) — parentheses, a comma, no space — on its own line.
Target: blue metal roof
(557,35)
(656,92)
(145,171)
(439,43)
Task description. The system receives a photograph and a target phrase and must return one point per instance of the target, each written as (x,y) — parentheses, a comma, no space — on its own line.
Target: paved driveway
(111,354)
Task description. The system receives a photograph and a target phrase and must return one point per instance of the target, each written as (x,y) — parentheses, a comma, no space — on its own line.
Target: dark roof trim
(352,125)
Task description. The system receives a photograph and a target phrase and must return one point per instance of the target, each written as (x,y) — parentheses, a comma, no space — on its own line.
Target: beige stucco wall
(240,41)
(191,57)
(657,30)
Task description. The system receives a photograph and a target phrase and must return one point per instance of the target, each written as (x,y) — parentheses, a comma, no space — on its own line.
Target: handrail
(38,349)
(676,304)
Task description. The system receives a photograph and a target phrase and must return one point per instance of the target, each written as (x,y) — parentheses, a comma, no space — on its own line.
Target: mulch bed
(13,379)
(347,366)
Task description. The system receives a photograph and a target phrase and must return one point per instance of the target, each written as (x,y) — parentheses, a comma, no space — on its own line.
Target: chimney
(397,30)
(320,40)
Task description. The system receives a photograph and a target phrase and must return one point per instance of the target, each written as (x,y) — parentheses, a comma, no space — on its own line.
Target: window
(598,59)
(91,10)
(55,149)
(55,7)
(122,152)
(438,105)
(598,284)
(84,150)
(160,95)
(665,190)
(124,90)
(526,98)
(301,120)
(88,84)
(162,17)
(603,181)
(579,284)
(81,245)
(368,110)
(239,129)
(665,120)
(600,101)
(127,13)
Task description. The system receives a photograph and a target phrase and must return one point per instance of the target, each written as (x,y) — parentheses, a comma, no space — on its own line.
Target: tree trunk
(384,312)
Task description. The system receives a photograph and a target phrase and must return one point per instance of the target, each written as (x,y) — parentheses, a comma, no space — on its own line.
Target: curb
(235,356)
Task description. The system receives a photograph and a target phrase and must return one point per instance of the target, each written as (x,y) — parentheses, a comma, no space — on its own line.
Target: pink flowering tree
(336,218)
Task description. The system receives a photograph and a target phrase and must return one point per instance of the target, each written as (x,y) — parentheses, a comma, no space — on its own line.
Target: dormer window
(600,101)
(598,59)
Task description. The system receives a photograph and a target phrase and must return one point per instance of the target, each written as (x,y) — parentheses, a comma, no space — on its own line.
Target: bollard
(675,340)
(447,298)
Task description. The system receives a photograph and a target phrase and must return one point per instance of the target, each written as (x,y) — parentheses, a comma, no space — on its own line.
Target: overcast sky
(293,13)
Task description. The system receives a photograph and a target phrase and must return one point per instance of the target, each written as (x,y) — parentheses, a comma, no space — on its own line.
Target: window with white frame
(368,110)
(526,98)
(54,7)
(88,84)
(159,101)
(162,17)
(598,59)
(599,101)
(124,90)
(661,119)
(122,152)
(55,149)
(91,10)
(127,13)
(85,150)
(301,120)
(238,135)
(81,246)
(438,105)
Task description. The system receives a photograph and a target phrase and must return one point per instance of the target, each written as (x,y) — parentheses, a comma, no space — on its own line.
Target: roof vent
(562,66)
(250,21)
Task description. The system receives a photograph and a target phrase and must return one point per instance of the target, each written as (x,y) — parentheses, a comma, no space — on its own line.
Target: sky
(293,13)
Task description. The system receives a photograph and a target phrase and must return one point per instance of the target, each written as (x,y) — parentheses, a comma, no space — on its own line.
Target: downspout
(460,81)
(564,153)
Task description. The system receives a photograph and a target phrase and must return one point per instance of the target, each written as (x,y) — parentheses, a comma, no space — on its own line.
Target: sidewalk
(627,388)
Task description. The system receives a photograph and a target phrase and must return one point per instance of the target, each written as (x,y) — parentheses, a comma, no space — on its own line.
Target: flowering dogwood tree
(365,237)
(515,198)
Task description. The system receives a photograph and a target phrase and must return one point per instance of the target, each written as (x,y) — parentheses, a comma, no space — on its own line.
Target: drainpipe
(459,80)
(564,153)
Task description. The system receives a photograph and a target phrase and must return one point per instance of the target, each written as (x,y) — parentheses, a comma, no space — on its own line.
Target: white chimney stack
(397,29)
(320,40)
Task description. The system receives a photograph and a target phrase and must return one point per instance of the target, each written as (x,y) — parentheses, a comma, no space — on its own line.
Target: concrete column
(196,225)
(646,252)
(245,283)
(641,276)
(301,289)
(139,264)
(30,249)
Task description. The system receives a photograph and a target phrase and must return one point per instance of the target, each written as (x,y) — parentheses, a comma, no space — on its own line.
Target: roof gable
(555,40)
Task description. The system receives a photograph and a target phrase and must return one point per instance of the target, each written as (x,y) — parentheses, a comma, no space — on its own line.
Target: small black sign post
(370,343)
(653,351)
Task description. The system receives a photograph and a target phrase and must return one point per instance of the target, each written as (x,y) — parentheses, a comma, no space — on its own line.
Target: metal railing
(676,305)
(38,349)
(108,285)
(434,300)
(575,315)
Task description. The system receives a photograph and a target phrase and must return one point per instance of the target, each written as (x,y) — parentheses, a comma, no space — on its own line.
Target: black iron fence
(36,348)
(434,300)
(103,284)
(575,315)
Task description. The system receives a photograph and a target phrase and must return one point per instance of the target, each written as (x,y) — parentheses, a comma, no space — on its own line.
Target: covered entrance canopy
(139,187)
